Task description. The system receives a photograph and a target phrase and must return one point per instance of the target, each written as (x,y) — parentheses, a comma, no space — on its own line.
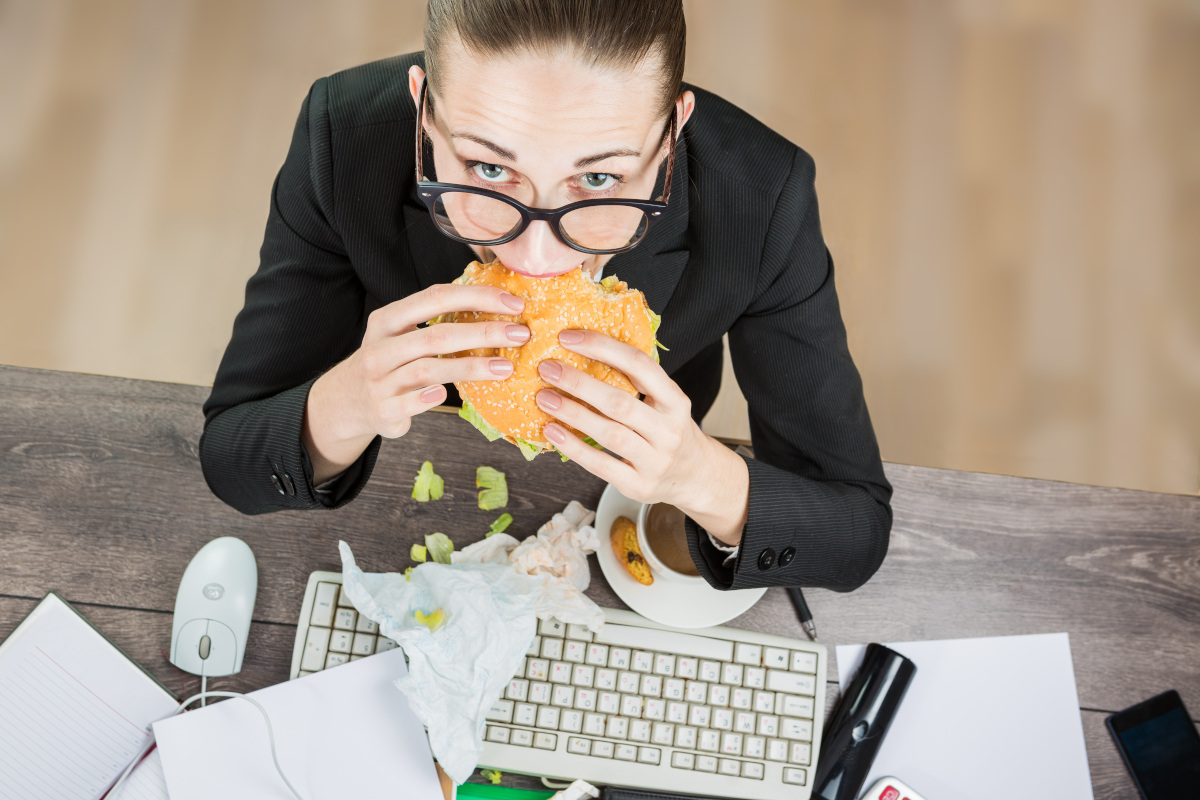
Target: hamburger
(507,409)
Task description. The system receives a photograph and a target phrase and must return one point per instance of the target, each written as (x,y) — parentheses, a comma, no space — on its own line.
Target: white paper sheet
(985,719)
(342,732)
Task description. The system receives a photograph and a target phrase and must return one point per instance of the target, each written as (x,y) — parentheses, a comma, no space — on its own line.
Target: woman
(552,103)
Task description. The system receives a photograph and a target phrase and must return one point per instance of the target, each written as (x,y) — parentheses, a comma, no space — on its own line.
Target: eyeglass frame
(430,191)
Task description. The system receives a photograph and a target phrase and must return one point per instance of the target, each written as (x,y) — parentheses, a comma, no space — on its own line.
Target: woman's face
(547,130)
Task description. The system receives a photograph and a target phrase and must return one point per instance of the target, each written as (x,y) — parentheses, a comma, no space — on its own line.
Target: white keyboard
(716,711)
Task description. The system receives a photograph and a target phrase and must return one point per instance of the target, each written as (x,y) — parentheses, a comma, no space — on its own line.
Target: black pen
(797,598)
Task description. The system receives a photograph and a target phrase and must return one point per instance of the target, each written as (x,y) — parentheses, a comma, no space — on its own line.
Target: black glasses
(484,217)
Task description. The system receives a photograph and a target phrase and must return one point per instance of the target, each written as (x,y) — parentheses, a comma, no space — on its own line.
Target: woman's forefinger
(442,298)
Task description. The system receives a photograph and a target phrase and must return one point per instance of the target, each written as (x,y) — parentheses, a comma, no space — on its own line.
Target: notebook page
(146,782)
(74,711)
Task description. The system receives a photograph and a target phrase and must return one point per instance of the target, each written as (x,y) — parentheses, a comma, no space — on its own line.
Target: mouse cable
(203,696)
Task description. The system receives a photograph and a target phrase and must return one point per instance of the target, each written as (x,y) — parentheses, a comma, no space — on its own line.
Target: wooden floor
(1010,189)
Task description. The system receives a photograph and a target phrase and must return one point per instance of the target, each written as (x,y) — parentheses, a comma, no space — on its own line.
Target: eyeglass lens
(483,220)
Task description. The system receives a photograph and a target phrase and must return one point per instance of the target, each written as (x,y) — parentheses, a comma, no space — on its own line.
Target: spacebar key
(665,641)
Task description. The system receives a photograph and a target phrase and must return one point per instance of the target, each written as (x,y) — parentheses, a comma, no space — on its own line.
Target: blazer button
(786,556)
(288,485)
(277,484)
(766,559)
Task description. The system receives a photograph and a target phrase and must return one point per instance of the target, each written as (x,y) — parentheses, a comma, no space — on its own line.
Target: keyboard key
(793,775)
(496,733)
(539,692)
(709,740)
(580,632)
(799,753)
(643,661)
(538,669)
(500,711)
(563,696)
(682,760)
(628,682)
(552,648)
(718,695)
(741,698)
(525,714)
(618,727)
(700,716)
(685,666)
(697,692)
(551,627)
(609,703)
(649,755)
(593,724)
(677,712)
(710,671)
(366,625)
(344,619)
(722,719)
(364,644)
(768,725)
(631,706)
(316,644)
(340,641)
(583,675)
(602,749)
(323,603)
(547,717)
(743,721)
(729,767)
(755,678)
(752,769)
(655,708)
(535,647)
(664,664)
(585,699)
(804,662)
(663,733)
(574,652)
(571,721)
(749,654)
(560,672)
(606,679)
(673,689)
(796,729)
(336,660)
(651,685)
(666,641)
(384,644)
(579,746)
(517,689)
(731,744)
(775,658)
(639,730)
(625,752)
(545,741)
(764,702)
(521,738)
(597,655)
(788,705)
(685,737)
(790,682)
(754,747)
(706,764)
(777,750)
(344,600)
(618,657)
(357,658)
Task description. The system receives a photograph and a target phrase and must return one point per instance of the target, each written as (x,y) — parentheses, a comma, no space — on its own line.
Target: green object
(418,552)
(528,449)
(432,621)
(592,442)
(486,791)
(493,488)
(469,413)
(500,525)
(440,547)
(428,485)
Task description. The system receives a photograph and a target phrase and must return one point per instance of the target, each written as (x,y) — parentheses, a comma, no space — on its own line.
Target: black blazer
(739,251)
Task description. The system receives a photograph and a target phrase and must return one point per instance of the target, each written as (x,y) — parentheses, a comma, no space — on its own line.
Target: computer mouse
(213,609)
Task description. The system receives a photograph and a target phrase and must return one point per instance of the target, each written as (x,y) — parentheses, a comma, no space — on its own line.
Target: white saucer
(680,605)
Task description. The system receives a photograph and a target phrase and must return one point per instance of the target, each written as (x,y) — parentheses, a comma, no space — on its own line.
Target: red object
(890,793)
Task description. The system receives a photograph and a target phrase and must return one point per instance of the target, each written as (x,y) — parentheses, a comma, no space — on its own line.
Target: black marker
(797,598)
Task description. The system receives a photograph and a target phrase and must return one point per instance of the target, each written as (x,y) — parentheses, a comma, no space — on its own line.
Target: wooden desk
(102,499)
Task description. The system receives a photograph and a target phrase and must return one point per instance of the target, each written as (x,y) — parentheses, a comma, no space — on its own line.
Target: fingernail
(571,337)
(549,400)
(512,301)
(431,394)
(550,370)
(555,433)
(517,333)
(500,366)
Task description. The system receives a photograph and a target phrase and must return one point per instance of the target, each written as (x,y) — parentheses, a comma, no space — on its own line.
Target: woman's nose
(538,252)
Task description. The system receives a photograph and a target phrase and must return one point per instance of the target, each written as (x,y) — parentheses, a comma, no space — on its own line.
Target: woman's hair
(606,33)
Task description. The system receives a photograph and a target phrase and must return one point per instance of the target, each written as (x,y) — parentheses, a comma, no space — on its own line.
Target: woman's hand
(396,373)
(665,457)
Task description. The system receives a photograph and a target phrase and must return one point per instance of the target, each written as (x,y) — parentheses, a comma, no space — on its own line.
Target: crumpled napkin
(490,597)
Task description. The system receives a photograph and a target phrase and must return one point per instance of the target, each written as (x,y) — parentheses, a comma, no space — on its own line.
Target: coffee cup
(663,539)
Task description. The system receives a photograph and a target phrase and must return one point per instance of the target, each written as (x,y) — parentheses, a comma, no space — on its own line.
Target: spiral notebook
(74,711)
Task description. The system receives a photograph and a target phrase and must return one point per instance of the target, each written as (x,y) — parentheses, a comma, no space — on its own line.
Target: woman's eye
(598,181)
(491,172)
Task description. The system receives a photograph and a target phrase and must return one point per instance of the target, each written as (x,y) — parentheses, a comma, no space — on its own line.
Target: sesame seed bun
(570,300)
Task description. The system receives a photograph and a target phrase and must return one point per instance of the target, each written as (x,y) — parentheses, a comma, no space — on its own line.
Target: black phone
(1160,746)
